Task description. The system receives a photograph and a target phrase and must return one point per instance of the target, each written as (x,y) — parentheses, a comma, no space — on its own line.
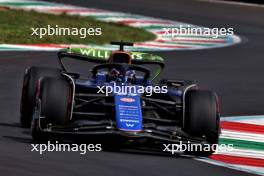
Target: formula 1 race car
(58,102)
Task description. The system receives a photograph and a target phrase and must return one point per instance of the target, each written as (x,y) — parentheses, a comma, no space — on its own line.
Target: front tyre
(202,117)
(53,107)
(31,77)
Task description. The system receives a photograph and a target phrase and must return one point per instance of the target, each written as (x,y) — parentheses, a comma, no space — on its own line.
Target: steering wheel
(123,68)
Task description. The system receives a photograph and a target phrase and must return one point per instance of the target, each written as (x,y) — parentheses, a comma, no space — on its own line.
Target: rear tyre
(54,101)
(31,77)
(202,118)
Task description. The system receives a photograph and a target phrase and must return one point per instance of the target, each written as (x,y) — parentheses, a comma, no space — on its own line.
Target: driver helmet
(120,57)
(115,75)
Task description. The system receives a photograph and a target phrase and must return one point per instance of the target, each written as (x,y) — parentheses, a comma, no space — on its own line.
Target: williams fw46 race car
(76,101)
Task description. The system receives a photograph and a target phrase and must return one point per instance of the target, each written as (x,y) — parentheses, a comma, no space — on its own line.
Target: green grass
(15,28)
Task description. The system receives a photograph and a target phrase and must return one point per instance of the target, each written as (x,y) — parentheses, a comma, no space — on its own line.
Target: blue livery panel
(128,112)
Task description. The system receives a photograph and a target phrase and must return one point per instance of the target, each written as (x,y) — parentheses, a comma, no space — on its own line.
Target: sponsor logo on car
(130,125)
(128,100)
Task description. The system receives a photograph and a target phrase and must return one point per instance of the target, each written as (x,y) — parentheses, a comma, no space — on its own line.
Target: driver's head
(115,75)
(129,77)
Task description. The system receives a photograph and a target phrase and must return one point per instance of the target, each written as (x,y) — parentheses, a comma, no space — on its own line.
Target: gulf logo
(128,100)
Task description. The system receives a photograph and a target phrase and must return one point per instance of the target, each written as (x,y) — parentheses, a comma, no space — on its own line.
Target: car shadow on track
(124,149)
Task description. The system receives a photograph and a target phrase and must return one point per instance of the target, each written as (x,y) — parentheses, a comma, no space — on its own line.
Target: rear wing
(101,56)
